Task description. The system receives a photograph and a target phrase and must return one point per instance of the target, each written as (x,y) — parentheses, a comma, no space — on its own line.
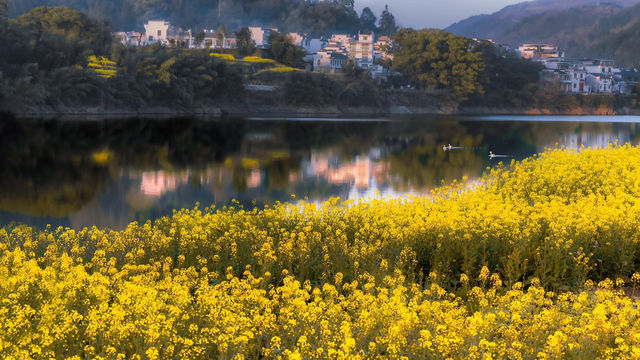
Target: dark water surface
(108,173)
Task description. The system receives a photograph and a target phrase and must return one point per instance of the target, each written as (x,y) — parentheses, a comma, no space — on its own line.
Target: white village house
(131,38)
(161,31)
(540,51)
(363,49)
(156,31)
(260,36)
(329,61)
(325,55)
(214,40)
(585,76)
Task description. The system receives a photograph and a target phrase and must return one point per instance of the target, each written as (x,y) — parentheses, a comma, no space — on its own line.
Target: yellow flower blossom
(385,278)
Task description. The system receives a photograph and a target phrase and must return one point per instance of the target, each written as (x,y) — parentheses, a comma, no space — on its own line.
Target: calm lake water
(108,173)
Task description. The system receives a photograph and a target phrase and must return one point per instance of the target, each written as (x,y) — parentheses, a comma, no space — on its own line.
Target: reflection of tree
(278,173)
(523,138)
(48,169)
(41,175)
(57,196)
(423,164)
(180,142)
(239,179)
(349,138)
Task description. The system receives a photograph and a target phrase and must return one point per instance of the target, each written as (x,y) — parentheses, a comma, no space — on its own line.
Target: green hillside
(495,25)
(610,30)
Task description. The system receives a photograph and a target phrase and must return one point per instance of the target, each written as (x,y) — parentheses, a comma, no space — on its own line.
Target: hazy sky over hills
(434,13)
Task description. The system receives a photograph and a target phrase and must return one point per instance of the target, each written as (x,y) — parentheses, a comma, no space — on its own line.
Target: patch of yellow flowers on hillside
(498,268)
(102,66)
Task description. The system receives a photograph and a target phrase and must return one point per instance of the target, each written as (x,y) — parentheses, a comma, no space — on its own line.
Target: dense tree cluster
(244,44)
(367,20)
(304,88)
(284,51)
(319,17)
(4,9)
(508,80)
(45,57)
(388,26)
(436,60)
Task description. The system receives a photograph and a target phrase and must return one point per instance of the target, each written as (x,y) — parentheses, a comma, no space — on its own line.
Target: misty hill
(494,26)
(315,17)
(610,30)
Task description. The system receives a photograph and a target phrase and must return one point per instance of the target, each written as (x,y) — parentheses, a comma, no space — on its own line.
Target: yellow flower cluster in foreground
(492,269)
(160,312)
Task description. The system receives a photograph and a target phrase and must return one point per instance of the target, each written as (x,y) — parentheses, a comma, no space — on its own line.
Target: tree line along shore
(60,61)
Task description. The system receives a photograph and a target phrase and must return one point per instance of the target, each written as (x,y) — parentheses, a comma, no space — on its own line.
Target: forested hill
(610,30)
(496,25)
(316,17)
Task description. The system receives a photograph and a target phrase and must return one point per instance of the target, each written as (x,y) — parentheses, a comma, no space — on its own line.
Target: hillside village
(581,76)
(165,68)
(327,55)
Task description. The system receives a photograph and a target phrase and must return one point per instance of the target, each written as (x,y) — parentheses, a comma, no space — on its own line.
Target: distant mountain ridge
(493,26)
(582,29)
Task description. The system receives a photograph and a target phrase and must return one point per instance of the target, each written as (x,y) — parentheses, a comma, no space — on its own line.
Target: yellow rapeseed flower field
(536,260)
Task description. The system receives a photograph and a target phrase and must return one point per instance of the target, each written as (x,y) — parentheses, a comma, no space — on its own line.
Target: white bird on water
(450,147)
(493,156)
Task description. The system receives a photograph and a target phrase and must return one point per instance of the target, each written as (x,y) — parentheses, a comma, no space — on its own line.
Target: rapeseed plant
(531,262)
(102,66)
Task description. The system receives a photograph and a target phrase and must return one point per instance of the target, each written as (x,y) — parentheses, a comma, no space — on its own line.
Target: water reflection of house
(593,140)
(254,179)
(156,183)
(381,172)
(294,177)
(359,172)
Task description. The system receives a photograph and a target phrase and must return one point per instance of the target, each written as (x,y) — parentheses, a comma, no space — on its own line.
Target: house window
(574,85)
(159,33)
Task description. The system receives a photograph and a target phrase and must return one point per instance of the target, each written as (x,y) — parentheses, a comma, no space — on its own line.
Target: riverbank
(334,111)
(396,102)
